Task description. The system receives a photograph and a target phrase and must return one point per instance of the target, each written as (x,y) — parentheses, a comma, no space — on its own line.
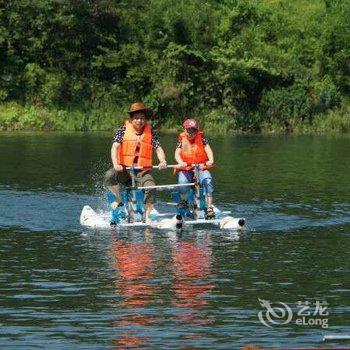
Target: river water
(282,283)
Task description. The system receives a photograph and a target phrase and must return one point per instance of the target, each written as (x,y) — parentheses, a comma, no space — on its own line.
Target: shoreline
(17,118)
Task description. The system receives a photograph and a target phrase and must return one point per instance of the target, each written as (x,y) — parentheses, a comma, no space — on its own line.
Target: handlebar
(174,166)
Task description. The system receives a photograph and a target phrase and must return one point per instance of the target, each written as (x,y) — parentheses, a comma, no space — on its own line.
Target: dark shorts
(143,178)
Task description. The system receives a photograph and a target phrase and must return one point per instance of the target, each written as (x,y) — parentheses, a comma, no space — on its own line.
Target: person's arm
(117,140)
(114,156)
(159,151)
(161,157)
(210,155)
(178,158)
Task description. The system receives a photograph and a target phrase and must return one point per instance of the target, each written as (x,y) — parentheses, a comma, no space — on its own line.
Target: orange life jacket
(193,152)
(131,142)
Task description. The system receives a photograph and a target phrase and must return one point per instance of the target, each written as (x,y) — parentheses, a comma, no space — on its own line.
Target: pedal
(183,204)
(115,205)
(190,215)
(209,214)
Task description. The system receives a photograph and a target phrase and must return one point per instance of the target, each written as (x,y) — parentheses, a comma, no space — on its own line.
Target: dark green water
(63,286)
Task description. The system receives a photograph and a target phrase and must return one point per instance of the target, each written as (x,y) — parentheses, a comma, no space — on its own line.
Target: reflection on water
(138,282)
(134,264)
(191,269)
(192,286)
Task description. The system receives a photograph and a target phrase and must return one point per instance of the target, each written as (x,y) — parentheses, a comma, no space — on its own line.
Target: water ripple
(42,211)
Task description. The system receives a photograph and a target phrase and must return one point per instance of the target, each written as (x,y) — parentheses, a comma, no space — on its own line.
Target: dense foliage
(236,64)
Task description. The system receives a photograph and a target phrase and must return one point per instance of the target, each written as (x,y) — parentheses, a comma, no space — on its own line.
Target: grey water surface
(284,283)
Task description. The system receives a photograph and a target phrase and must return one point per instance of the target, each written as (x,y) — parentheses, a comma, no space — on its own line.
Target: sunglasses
(191,131)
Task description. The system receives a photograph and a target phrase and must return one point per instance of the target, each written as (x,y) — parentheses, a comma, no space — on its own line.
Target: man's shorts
(143,178)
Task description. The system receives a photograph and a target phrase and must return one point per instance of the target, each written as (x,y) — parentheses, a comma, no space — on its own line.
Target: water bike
(132,213)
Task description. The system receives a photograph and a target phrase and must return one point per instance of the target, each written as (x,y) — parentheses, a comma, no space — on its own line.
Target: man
(193,148)
(133,145)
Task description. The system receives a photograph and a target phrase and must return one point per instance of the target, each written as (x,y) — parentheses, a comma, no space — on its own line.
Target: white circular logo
(276,315)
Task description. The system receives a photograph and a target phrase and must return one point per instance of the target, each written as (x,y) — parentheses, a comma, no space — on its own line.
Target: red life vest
(133,146)
(193,152)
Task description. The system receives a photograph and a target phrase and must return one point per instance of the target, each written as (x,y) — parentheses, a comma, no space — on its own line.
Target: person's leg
(113,180)
(185,177)
(206,181)
(145,179)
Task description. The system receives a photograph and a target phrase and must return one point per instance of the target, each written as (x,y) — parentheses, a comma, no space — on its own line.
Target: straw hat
(140,107)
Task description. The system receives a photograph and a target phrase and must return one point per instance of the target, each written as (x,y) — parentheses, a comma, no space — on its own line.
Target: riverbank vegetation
(237,65)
